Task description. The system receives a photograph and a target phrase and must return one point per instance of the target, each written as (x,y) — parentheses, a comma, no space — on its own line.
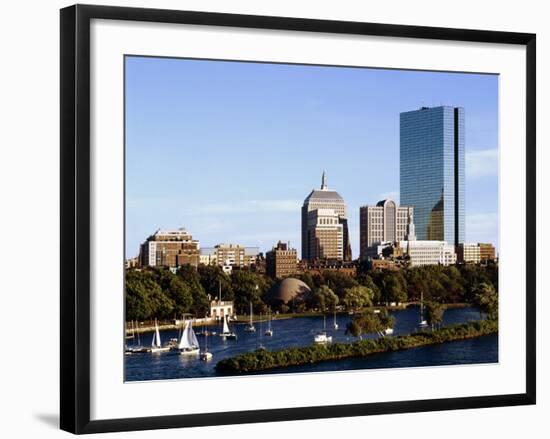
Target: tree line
(159,293)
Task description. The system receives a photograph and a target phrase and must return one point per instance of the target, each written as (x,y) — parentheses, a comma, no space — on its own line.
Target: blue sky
(229,150)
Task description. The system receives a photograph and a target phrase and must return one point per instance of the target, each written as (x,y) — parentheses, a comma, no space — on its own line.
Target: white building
(428,252)
(220,309)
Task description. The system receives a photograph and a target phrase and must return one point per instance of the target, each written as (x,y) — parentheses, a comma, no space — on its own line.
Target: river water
(300,332)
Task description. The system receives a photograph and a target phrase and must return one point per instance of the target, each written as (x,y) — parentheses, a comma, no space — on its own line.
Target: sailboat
(188,344)
(205,355)
(136,348)
(322,337)
(335,324)
(156,344)
(269,332)
(422,321)
(250,326)
(226,332)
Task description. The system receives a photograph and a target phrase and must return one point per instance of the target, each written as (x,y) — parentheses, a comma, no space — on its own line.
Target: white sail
(156,338)
(225,326)
(192,337)
(184,340)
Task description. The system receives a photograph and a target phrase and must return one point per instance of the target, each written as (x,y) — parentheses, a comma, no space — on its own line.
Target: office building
(325,234)
(384,222)
(281,261)
(169,248)
(432,142)
(327,200)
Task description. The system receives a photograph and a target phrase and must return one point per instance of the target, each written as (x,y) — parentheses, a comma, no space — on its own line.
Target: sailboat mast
(421,306)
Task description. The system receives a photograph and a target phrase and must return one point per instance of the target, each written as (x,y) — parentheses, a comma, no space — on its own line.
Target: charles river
(300,332)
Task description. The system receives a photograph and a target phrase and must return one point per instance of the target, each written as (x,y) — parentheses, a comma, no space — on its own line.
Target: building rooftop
(324,194)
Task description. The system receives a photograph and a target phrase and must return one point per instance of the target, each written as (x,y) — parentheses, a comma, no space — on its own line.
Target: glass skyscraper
(432,171)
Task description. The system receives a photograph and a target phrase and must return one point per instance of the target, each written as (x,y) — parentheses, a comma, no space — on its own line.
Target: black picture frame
(75,217)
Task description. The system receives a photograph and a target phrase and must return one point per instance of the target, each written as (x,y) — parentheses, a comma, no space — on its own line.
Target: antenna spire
(323,181)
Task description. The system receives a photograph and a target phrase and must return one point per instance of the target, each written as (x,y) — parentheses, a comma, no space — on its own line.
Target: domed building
(288,290)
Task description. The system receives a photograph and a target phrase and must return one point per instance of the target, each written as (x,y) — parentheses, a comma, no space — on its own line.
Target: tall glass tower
(432,171)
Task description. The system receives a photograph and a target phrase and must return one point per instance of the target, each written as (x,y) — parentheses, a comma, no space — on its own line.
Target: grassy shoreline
(265,360)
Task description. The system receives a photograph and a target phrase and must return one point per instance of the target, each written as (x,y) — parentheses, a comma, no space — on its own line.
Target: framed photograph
(274,218)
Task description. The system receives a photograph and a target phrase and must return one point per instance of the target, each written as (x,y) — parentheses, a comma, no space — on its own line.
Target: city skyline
(230,150)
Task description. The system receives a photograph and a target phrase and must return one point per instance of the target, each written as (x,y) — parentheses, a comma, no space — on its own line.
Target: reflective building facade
(432,142)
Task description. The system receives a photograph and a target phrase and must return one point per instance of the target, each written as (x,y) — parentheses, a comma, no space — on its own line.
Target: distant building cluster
(428,228)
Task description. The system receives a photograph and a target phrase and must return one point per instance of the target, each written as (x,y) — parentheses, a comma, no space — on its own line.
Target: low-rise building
(318,267)
(221,308)
(486,252)
(281,261)
(232,255)
(415,253)
(132,262)
(475,253)
(468,253)
(428,253)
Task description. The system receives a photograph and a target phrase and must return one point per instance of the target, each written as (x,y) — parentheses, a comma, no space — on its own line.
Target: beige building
(325,235)
(475,253)
(468,253)
(229,255)
(385,222)
(326,200)
(281,261)
(169,248)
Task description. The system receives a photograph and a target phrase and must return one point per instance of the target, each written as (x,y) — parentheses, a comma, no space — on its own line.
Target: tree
(365,323)
(339,282)
(486,298)
(357,297)
(394,286)
(248,287)
(324,298)
(191,278)
(434,313)
(145,298)
(367,281)
(212,278)
(181,295)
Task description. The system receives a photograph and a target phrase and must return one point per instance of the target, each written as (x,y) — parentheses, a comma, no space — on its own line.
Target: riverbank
(148,326)
(264,360)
